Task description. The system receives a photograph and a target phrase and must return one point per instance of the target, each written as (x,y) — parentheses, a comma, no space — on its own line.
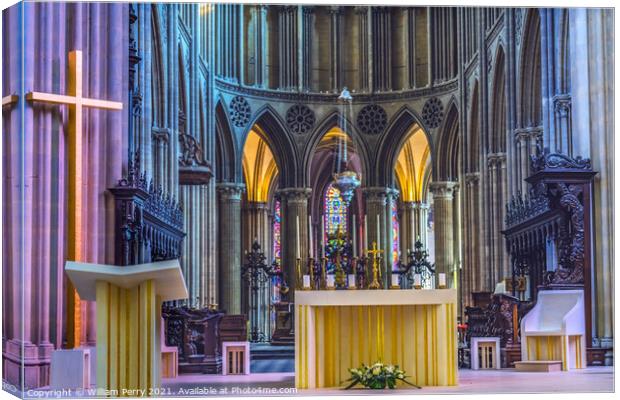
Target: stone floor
(592,379)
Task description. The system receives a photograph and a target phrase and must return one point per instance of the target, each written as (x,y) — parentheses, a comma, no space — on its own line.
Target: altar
(340,329)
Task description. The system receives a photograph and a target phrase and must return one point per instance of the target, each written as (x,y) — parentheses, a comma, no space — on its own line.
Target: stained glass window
(395,230)
(334,211)
(277,219)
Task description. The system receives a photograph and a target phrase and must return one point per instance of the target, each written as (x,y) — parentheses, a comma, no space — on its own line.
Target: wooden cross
(76,103)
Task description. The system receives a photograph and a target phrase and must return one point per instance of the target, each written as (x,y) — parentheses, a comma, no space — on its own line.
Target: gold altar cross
(76,103)
(374,252)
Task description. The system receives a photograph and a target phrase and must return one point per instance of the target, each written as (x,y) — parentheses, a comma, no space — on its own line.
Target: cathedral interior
(468,142)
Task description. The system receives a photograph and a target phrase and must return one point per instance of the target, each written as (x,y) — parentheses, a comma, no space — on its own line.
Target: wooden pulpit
(129,302)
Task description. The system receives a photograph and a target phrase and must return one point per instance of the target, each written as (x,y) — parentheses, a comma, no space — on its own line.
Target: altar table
(341,329)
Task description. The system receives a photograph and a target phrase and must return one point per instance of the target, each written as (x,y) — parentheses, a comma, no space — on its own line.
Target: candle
(354,238)
(322,241)
(297,223)
(417,280)
(330,280)
(365,232)
(351,280)
(306,281)
(442,279)
(395,280)
(311,249)
(378,232)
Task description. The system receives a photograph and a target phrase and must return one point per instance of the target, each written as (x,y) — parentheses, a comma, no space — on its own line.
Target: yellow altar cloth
(341,329)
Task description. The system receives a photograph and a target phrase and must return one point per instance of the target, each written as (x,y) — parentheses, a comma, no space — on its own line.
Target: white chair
(236,358)
(554,330)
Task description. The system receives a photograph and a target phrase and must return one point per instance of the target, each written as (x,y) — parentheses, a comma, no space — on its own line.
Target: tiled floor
(593,379)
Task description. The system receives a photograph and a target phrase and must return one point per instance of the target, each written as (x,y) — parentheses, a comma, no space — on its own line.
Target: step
(538,366)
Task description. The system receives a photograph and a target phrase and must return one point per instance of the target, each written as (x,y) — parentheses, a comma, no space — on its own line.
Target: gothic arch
(530,99)
(226,152)
(446,158)
(497,137)
(392,142)
(280,143)
(473,142)
(331,120)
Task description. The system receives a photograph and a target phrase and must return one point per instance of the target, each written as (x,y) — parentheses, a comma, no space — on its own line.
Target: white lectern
(128,320)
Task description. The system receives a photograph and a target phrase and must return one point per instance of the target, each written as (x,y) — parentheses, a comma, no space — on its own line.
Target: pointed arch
(336,119)
(391,143)
(226,152)
(497,139)
(530,99)
(280,143)
(446,160)
(473,138)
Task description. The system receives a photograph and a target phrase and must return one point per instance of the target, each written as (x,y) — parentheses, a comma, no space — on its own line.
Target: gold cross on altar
(76,103)
(374,252)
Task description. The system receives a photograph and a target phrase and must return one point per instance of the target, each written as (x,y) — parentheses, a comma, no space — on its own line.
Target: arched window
(277,223)
(334,211)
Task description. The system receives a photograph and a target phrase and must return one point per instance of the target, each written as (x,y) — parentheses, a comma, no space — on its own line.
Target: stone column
(230,246)
(294,207)
(306,46)
(376,205)
(473,274)
(287,33)
(256,226)
(422,223)
(362,21)
(336,13)
(260,45)
(443,199)
(408,227)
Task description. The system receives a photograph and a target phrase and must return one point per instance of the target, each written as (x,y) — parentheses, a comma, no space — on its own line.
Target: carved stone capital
(472,177)
(295,195)
(335,10)
(230,191)
(257,206)
(160,135)
(361,10)
(562,104)
(443,190)
(376,194)
(409,205)
(495,159)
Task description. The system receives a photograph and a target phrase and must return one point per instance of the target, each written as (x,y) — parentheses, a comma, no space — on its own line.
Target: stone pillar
(473,274)
(306,46)
(422,223)
(408,227)
(294,207)
(378,199)
(381,48)
(256,226)
(260,45)
(336,13)
(443,200)
(362,21)
(287,34)
(229,206)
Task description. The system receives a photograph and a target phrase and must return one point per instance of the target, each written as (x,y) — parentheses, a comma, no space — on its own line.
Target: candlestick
(378,232)
(442,280)
(331,280)
(351,281)
(354,237)
(297,223)
(417,281)
(310,237)
(322,240)
(365,232)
